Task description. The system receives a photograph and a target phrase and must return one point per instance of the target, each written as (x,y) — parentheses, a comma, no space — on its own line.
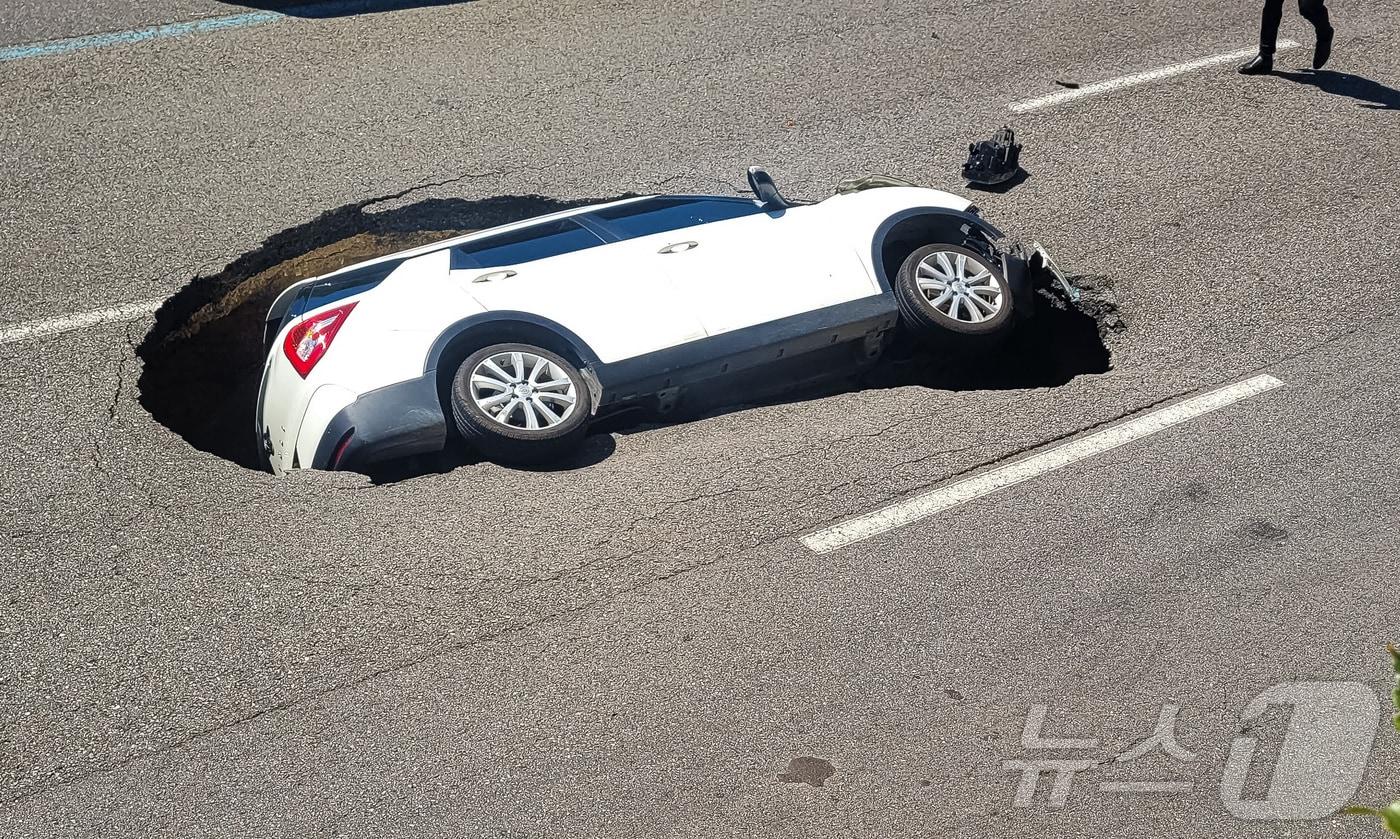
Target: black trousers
(1314,10)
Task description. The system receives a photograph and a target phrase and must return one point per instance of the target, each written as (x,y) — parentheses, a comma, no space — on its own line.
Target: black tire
(926,321)
(503,440)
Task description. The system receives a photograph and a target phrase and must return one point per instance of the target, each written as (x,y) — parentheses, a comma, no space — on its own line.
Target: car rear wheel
(953,292)
(518,403)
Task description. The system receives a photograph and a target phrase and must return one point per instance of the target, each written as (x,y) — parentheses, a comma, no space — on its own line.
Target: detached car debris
(1043,264)
(993,161)
(515,338)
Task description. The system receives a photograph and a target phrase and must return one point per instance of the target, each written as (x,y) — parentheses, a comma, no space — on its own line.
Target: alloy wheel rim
(959,287)
(522,390)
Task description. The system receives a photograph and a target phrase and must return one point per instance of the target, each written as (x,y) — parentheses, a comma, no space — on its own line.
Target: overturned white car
(516,337)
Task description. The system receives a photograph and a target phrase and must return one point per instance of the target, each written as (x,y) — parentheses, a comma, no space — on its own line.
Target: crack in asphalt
(657,185)
(864,479)
(97,456)
(382,199)
(121,374)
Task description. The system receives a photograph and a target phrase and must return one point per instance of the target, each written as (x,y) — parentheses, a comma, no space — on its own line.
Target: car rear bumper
(395,421)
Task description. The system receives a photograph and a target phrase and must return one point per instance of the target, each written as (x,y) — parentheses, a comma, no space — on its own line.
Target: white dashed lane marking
(960,492)
(30,330)
(1146,77)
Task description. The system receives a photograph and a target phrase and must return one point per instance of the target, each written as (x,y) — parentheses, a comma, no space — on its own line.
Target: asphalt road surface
(642,645)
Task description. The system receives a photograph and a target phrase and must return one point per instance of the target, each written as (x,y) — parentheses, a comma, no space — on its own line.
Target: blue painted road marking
(133,36)
(331,8)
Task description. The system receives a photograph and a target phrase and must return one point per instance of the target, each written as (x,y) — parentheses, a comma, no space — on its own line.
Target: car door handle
(494,275)
(679,247)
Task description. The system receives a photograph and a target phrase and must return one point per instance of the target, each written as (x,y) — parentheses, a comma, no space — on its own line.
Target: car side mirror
(765,190)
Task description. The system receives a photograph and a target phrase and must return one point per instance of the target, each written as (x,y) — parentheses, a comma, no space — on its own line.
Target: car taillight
(310,339)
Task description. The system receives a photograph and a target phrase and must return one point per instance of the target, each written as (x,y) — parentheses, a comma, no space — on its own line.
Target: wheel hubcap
(523,390)
(959,287)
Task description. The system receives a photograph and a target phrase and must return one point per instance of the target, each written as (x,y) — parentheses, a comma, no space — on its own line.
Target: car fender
(551,334)
(966,220)
(581,351)
(955,224)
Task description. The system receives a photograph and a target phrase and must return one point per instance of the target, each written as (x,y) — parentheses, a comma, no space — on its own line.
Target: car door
(737,265)
(612,295)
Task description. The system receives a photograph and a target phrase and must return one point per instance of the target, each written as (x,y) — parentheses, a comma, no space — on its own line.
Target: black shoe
(1323,50)
(1260,66)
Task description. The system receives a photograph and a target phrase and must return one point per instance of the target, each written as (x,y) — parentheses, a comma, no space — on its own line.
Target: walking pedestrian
(1316,13)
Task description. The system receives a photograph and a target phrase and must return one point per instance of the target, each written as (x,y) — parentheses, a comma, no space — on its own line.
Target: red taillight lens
(310,339)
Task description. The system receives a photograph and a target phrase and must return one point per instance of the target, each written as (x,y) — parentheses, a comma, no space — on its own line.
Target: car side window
(538,241)
(658,215)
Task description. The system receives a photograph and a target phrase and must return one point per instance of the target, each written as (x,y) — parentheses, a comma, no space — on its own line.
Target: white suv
(517,336)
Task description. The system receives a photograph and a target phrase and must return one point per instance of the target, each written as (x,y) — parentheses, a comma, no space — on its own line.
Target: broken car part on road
(994,161)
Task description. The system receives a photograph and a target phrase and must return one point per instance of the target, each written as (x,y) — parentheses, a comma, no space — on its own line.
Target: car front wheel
(518,403)
(954,292)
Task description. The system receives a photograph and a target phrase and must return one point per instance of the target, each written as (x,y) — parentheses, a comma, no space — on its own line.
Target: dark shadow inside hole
(1060,342)
(203,358)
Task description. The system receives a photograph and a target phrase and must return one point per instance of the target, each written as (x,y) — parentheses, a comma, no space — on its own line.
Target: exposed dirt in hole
(204,356)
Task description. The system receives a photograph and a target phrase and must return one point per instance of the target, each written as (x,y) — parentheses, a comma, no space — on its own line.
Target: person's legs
(1316,13)
(1268,27)
(1268,39)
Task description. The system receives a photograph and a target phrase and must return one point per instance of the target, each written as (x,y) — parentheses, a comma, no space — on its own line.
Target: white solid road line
(1146,77)
(30,330)
(938,500)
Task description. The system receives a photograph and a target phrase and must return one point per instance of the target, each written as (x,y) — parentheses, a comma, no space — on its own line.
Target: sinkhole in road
(203,358)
